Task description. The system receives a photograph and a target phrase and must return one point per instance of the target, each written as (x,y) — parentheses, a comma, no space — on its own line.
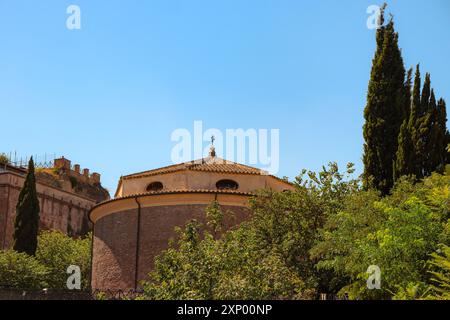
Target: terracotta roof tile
(207,164)
(176,191)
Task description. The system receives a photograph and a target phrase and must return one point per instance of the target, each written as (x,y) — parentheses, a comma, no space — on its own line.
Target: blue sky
(109,96)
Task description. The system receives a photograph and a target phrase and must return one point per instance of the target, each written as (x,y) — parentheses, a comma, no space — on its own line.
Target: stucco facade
(132,229)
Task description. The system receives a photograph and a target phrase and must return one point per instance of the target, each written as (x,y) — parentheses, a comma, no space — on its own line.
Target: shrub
(19,270)
(58,251)
(4,159)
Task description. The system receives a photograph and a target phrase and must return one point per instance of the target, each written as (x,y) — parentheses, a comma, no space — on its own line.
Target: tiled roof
(177,191)
(210,164)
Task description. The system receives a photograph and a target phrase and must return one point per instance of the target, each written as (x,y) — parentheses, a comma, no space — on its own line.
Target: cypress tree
(412,122)
(443,124)
(404,162)
(26,224)
(426,94)
(439,135)
(424,123)
(405,156)
(407,95)
(428,128)
(415,100)
(432,161)
(384,111)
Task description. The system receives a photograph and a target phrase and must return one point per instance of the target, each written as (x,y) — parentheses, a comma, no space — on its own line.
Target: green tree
(439,134)
(397,233)
(415,114)
(215,217)
(58,251)
(405,156)
(4,159)
(266,257)
(21,271)
(423,130)
(385,109)
(26,224)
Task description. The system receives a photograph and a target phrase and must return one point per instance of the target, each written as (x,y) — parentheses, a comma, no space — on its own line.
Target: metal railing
(40,161)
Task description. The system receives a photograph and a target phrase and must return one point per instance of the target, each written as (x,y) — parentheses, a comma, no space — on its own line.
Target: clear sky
(108,96)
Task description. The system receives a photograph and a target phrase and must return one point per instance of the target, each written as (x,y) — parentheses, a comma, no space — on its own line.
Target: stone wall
(59,210)
(115,241)
(84,176)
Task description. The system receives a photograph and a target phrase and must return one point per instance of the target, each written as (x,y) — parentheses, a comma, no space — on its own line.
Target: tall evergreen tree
(26,224)
(407,95)
(415,100)
(432,159)
(404,160)
(424,123)
(443,125)
(438,158)
(428,128)
(412,122)
(385,109)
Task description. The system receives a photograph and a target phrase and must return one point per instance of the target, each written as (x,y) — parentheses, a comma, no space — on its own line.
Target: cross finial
(212,150)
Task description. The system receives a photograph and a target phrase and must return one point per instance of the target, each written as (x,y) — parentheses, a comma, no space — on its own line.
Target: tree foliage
(319,238)
(397,233)
(266,257)
(21,271)
(405,129)
(26,224)
(48,268)
(385,110)
(58,251)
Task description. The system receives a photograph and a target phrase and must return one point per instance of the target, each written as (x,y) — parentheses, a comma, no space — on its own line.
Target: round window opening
(155,186)
(227,184)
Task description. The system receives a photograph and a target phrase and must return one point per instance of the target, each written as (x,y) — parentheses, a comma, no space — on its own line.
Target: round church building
(135,226)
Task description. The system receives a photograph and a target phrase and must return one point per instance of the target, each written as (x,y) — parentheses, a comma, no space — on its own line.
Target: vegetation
(441,277)
(58,251)
(19,270)
(386,108)
(405,128)
(48,268)
(398,233)
(26,224)
(73,182)
(324,236)
(320,238)
(3,159)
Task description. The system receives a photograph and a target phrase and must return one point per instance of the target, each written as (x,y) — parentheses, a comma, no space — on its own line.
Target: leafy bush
(19,270)
(58,251)
(48,269)
(4,159)
(440,262)
(398,233)
(73,182)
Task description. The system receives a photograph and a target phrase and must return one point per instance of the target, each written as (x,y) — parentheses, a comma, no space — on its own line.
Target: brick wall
(115,239)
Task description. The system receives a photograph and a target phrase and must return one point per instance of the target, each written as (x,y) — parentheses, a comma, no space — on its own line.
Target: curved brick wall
(115,241)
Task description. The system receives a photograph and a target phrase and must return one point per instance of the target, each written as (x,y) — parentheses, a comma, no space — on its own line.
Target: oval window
(155,186)
(227,184)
